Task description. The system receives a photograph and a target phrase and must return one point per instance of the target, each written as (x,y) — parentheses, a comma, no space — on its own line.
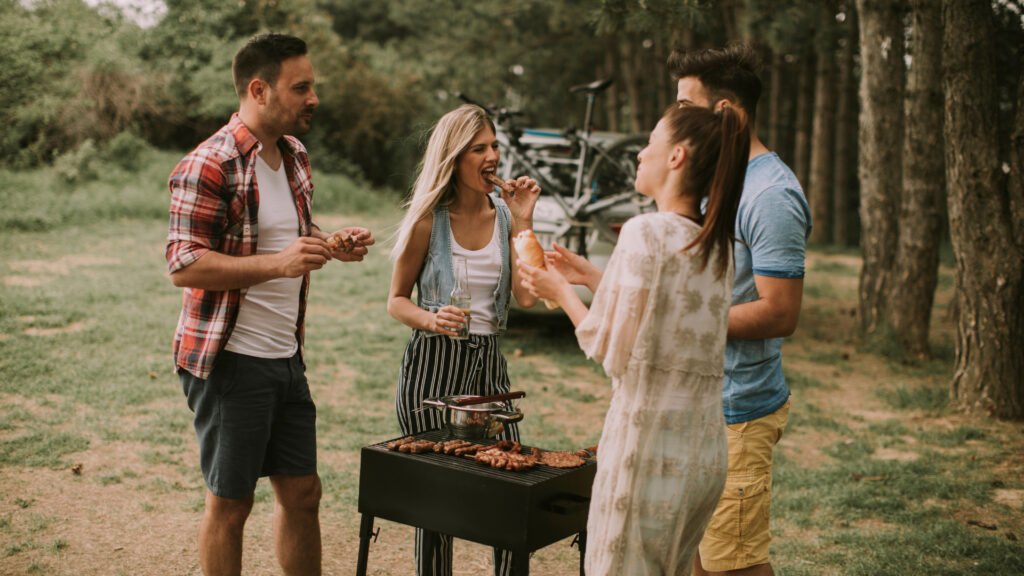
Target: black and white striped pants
(438,366)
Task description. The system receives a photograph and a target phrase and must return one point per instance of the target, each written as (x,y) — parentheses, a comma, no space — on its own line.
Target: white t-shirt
(269,311)
(484,269)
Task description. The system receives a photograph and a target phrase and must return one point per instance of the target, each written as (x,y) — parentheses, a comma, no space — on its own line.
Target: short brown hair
(727,73)
(261,58)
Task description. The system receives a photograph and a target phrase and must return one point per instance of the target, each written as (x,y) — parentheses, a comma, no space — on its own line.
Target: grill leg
(427,548)
(520,563)
(581,543)
(365,531)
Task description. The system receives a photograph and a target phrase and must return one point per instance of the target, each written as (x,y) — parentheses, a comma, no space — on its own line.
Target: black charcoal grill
(520,511)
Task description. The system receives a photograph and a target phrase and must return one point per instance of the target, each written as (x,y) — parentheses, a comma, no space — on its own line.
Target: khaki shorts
(738,534)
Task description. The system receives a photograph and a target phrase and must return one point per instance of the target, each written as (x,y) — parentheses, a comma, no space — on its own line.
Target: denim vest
(437,275)
(434,286)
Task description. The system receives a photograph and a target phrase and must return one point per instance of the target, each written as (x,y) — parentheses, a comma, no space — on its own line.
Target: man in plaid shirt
(242,244)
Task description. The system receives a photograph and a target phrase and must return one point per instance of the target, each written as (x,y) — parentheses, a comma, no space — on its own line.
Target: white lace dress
(658,326)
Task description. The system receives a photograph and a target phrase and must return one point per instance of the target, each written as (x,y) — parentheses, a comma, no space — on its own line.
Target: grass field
(99,471)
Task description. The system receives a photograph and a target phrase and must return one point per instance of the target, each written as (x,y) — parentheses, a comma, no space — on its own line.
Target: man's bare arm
(773,315)
(216,271)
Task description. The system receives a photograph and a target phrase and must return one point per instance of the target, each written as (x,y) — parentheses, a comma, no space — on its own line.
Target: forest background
(904,121)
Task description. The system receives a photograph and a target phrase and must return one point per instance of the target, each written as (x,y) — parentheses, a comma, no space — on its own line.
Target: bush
(340,193)
(127,151)
(78,165)
(45,198)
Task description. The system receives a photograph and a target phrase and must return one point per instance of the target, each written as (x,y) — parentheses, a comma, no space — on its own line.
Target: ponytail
(719,147)
(726,188)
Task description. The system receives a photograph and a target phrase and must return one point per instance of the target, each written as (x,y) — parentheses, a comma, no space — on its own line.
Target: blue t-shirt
(772,226)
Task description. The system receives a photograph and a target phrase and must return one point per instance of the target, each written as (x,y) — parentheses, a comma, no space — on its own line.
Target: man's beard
(302,124)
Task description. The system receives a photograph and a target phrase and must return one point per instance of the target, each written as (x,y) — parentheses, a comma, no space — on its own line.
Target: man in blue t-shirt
(772,227)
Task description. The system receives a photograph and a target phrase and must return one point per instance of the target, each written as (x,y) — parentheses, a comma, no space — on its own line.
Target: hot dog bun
(530,251)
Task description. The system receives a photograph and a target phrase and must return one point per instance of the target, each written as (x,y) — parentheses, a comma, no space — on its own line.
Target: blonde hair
(435,183)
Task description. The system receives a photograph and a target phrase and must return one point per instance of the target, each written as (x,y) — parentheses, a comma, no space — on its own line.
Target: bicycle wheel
(614,172)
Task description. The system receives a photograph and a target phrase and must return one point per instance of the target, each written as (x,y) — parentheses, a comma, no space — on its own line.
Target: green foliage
(127,151)
(89,184)
(78,165)
(649,16)
(70,75)
(337,193)
(124,153)
(786,25)
(385,74)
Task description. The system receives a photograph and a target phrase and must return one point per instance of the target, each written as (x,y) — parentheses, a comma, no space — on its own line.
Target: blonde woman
(453,212)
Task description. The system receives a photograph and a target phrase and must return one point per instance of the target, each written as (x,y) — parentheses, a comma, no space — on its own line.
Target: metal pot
(473,421)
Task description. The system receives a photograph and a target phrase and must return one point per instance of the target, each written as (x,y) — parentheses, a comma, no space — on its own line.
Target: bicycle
(589,182)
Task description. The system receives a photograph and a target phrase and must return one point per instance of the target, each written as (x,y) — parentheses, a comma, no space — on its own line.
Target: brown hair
(261,58)
(718,147)
(728,73)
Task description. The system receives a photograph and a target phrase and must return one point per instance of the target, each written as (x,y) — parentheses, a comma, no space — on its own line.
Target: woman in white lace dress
(658,326)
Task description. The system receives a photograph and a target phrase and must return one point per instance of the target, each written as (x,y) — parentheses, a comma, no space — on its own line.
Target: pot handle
(434,403)
(483,399)
(506,416)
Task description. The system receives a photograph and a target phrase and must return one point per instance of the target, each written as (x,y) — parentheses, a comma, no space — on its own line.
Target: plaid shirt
(214,206)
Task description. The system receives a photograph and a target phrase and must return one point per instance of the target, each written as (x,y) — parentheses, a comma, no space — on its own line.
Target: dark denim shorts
(253,417)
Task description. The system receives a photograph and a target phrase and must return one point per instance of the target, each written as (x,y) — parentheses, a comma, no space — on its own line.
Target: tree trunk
(734,21)
(764,107)
(881,141)
(661,77)
(611,66)
(781,120)
(804,118)
(631,77)
(989,370)
(924,186)
(1016,165)
(844,203)
(819,183)
(643,62)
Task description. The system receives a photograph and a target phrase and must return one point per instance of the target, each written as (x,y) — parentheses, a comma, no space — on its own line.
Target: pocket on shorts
(223,377)
(743,508)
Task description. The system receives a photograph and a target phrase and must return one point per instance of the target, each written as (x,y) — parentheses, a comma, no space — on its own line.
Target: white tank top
(484,269)
(269,311)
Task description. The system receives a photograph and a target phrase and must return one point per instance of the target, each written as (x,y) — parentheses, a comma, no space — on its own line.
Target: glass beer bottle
(460,294)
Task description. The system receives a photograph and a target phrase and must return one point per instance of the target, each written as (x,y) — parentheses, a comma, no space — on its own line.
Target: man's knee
(229,511)
(298,492)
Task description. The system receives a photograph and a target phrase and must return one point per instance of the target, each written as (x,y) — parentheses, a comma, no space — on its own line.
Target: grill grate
(529,477)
